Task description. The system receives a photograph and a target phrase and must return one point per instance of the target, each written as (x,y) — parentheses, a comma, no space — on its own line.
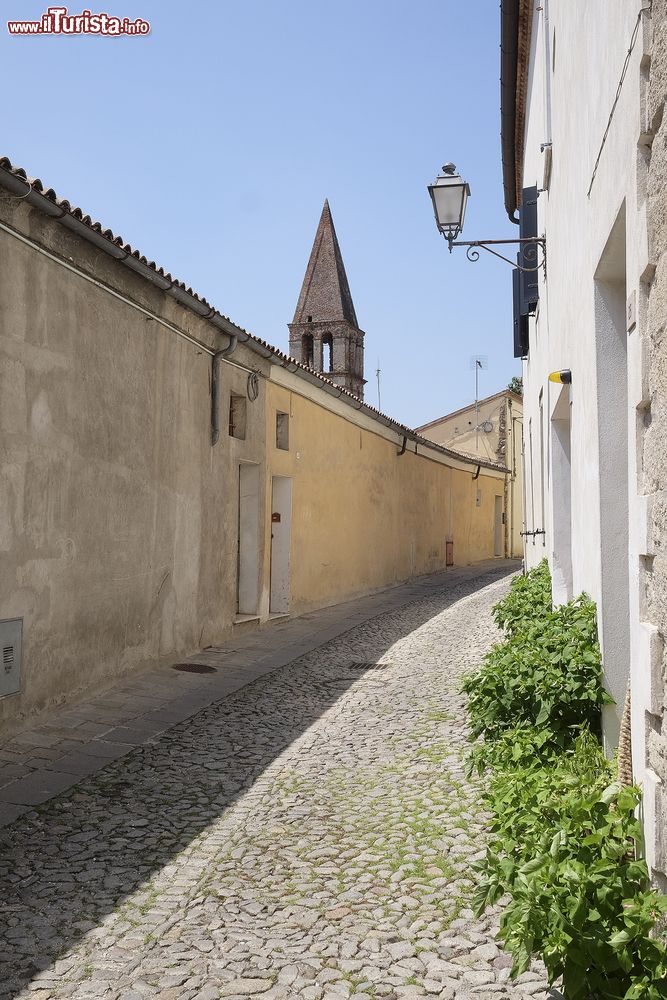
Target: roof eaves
(509,19)
(32,190)
(402,429)
(524,33)
(516,19)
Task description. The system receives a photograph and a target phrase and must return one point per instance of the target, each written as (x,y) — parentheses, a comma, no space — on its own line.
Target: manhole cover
(194,668)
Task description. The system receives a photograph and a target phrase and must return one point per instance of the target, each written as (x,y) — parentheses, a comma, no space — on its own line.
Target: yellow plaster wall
(457,431)
(363,517)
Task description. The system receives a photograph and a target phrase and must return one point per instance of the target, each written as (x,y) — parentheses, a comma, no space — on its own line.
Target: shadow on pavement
(66,865)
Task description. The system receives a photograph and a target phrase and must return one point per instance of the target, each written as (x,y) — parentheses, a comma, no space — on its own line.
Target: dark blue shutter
(528,253)
(520,320)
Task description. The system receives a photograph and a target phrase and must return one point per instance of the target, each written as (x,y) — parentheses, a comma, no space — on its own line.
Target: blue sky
(211,144)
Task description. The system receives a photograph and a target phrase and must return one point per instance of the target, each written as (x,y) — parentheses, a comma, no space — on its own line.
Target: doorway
(498,527)
(561,479)
(281,544)
(612,413)
(248,541)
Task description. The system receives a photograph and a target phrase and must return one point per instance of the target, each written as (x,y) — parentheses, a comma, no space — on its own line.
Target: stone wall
(118,520)
(652,428)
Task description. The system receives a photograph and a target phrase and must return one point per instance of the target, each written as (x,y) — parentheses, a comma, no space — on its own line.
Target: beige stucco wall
(363,516)
(501,444)
(117,517)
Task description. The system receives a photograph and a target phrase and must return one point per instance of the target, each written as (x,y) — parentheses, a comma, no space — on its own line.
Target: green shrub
(546,674)
(516,746)
(563,846)
(529,598)
(564,835)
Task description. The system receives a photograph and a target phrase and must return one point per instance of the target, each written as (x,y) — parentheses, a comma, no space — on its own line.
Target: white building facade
(582,98)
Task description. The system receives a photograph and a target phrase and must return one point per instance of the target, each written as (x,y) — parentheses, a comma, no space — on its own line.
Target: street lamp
(449,194)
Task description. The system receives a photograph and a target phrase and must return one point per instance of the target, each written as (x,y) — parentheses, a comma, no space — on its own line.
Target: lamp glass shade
(449,195)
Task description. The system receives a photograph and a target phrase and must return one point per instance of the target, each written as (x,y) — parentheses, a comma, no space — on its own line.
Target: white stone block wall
(651,697)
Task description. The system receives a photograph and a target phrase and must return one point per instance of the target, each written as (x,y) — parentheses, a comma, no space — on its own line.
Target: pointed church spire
(324,334)
(325,294)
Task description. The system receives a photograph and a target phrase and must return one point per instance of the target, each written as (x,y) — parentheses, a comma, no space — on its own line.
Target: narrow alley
(308,835)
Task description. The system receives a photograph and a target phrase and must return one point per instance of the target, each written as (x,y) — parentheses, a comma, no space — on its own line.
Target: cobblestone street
(309,835)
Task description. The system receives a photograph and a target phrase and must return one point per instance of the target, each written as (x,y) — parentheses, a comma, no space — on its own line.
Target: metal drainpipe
(215,386)
(518,420)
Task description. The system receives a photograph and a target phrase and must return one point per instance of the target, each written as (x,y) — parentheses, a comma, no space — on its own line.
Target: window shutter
(520,320)
(528,253)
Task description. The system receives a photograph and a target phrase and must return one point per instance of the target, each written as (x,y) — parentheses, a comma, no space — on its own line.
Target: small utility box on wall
(11,634)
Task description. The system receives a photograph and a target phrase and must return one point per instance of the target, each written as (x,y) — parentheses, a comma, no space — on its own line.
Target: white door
(281,543)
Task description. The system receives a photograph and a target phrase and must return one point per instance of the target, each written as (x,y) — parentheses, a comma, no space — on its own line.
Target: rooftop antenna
(377,375)
(480,363)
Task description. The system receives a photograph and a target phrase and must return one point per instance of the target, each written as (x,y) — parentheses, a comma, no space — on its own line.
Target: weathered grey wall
(653,424)
(117,517)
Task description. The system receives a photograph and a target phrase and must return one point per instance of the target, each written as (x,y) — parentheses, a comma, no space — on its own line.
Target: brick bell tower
(324,334)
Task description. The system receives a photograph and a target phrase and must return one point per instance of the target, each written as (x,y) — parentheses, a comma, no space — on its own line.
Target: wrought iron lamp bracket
(530,251)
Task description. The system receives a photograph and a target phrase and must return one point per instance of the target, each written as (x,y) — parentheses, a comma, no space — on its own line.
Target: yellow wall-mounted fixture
(563,378)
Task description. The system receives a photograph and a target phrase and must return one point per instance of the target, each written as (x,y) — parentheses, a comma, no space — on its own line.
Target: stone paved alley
(308,835)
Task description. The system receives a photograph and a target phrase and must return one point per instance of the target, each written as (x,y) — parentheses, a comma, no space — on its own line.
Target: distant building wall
(499,439)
